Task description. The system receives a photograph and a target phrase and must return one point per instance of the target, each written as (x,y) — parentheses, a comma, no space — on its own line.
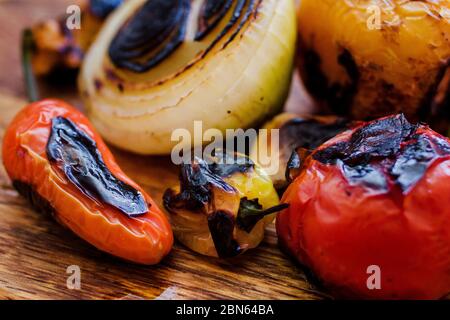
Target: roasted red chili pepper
(374,196)
(56,159)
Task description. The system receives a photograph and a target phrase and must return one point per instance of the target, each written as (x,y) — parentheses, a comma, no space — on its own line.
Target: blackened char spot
(151,35)
(196,184)
(240,15)
(310,133)
(303,136)
(221,226)
(337,96)
(76,154)
(251,8)
(346,60)
(379,139)
(227,164)
(211,14)
(441,145)
(295,163)
(38,202)
(365,175)
(435,107)
(332,153)
(314,78)
(413,161)
(408,153)
(102,8)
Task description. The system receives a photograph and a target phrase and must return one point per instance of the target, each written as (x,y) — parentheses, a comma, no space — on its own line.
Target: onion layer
(158,66)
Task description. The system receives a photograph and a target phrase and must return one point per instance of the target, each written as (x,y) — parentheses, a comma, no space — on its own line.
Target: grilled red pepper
(56,159)
(374,197)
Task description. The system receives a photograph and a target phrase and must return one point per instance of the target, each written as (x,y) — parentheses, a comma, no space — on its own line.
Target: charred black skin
(238,12)
(102,8)
(158,28)
(380,138)
(198,179)
(303,136)
(197,184)
(221,225)
(230,164)
(310,133)
(211,14)
(435,107)
(76,154)
(338,96)
(386,146)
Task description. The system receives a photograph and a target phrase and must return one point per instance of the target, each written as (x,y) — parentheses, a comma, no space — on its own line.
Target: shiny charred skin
(363,72)
(56,47)
(298,133)
(374,196)
(228,63)
(57,160)
(221,207)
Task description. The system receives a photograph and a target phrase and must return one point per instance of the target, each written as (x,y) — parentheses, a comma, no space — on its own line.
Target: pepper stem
(27,54)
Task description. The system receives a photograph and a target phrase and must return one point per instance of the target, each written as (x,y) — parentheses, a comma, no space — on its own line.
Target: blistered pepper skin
(143,239)
(343,233)
(375,58)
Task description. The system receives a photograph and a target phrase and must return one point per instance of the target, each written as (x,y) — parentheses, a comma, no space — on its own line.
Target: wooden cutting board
(35,251)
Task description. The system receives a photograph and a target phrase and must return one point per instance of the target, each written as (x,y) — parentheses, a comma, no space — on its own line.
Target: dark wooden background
(35,251)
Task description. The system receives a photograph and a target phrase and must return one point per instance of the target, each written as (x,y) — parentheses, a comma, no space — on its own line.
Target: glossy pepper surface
(56,159)
(374,196)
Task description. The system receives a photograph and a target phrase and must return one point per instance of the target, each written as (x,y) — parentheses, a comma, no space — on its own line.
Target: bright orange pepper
(144,238)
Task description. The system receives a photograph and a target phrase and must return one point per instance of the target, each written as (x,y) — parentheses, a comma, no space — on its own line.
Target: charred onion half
(221,209)
(374,196)
(366,59)
(57,160)
(159,65)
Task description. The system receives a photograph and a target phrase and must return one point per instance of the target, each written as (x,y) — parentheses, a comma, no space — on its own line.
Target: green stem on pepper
(27,54)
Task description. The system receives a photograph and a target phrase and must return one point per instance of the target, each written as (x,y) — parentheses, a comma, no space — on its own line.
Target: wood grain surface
(35,251)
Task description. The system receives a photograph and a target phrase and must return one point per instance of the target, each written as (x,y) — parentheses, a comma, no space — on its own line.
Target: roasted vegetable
(159,65)
(302,132)
(58,47)
(222,205)
(366,59)
(374,198)
(56,159)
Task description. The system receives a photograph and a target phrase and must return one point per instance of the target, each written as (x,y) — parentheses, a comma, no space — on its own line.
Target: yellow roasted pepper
(221,208)
(369,58)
